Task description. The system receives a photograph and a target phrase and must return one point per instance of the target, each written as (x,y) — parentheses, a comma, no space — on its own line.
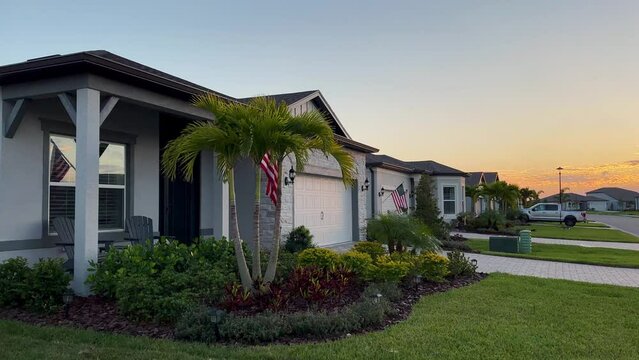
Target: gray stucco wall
(23,184)
(318,164)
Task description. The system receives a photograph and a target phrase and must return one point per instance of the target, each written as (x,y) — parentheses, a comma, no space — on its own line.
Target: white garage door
(323,205)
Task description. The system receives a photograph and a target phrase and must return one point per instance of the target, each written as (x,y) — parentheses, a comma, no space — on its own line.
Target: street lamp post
(560,197)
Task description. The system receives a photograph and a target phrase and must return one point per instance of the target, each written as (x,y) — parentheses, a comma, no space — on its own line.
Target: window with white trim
(112,182)
(449,200)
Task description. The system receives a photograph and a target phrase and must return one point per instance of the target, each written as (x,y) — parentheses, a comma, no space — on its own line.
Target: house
(317,198)
(572,201)
(81,137)
(388,173)
(478,178)
(617,199)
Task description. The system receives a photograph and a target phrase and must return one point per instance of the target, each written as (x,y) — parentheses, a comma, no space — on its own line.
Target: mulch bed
(99,314)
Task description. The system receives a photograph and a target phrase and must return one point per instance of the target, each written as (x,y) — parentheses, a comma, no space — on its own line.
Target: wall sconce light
(411,194)
(381,193)
(291,177)
(366,184)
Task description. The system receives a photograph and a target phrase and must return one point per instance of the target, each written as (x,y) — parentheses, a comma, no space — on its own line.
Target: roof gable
(475,178)
(616,193)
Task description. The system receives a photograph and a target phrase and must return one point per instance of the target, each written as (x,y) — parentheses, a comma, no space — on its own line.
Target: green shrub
(196,324)
(456,245)
(322,258)
(319,324)
(388,290)
(491,219)
(298,240)
(374,249)
(399,231)
(255,329)
(14,282)
(388,270)
(433,267)
(357,262)
(159,282)
(460,265)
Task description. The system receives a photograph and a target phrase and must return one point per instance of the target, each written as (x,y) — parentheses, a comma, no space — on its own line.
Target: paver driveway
(557,270)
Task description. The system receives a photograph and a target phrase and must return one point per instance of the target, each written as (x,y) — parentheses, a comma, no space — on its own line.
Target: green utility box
(509,244)
(525,242)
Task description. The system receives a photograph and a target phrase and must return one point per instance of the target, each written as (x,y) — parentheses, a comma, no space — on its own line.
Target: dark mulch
(99,314)
(95,313)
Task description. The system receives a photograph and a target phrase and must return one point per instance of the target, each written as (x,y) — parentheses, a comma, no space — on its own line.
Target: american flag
(270,169)
(59,164)
(399,198)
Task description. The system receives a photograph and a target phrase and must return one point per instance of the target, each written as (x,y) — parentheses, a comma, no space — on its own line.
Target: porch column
(221,204)
(87,129)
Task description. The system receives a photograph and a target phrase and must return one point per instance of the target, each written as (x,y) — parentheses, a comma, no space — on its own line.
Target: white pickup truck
(552,212)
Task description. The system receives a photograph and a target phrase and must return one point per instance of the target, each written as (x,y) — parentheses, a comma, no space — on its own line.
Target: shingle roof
(436,168)
(287,98)
(388,162)
(491,177)
(617,193)
(474,178)
(102,62)
(571,197)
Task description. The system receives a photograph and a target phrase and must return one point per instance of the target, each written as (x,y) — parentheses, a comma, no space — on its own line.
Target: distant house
(578,202)
(617,199)
(480,178)
(387,173)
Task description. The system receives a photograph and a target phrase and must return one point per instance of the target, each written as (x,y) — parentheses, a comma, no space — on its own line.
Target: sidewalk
(557,270)
(602,244)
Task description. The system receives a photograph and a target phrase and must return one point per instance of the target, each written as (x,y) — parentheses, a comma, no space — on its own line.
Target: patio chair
(65,228)
(139,230)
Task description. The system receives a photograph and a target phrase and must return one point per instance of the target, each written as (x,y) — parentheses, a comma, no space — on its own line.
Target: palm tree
(527,196)
(473,192)
(226,136)
(502,192)
(299,136)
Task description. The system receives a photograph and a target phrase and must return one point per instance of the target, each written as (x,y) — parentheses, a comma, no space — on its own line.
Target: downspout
(373,189)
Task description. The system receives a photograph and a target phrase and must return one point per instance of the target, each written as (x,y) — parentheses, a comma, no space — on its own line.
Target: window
(112,182)
(551,207)
(449,200)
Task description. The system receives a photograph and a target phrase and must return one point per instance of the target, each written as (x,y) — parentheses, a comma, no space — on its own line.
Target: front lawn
(591,224)
(569,253)
(502,317)
(579,233)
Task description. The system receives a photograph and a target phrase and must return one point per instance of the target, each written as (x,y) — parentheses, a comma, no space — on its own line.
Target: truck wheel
(524,218)
(570,221)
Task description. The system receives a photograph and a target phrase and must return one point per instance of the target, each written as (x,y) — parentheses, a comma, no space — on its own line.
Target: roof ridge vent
(44,57)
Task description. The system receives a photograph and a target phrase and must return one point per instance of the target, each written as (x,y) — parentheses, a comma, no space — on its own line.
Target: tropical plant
(529,196)
(473,192)
(227,136)
(426,208)
(398,231)
(507,195)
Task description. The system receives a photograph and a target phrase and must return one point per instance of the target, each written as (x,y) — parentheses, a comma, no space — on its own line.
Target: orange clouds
(578,178)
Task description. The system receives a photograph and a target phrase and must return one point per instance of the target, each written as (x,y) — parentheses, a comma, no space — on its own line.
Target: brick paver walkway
(557,270)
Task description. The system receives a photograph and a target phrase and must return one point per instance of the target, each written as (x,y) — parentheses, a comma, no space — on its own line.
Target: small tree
(398,231)
(426,208)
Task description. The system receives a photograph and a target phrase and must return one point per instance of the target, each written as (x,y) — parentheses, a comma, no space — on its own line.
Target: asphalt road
(625,223)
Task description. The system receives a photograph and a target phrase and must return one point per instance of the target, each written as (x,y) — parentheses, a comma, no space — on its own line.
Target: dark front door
(179,199)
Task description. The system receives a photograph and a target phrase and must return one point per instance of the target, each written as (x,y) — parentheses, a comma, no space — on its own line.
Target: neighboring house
(572,201)
(318,198)
(385,174)
(81,138)
(617,199)
(477,178)
(388,173)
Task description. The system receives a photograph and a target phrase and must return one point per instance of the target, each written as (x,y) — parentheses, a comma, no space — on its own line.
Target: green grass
(503,317)
(579,224)
(617,213)
(570,253)
(579,233)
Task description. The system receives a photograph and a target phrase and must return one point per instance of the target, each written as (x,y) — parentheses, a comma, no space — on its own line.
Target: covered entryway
(324,206)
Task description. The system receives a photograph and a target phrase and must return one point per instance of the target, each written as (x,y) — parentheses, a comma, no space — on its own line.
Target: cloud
(578,178)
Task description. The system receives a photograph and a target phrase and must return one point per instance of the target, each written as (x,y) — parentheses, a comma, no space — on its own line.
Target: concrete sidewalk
(602,244)
(557,270)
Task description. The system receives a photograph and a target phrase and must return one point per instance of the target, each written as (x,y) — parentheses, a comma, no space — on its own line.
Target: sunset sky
(518,87)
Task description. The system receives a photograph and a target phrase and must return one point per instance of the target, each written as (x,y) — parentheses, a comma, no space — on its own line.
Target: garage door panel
(324,206)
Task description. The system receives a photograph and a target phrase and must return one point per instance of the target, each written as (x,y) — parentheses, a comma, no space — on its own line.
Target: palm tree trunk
(257,265)
(271,268)
(245,276)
